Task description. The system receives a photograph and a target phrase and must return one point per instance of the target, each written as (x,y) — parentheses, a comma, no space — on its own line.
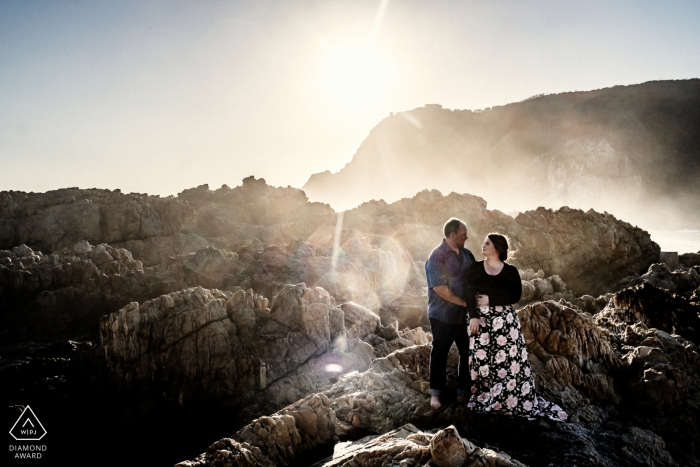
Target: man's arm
(445,292)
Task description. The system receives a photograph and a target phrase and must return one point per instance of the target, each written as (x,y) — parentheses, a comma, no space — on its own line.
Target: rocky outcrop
(47,296)
(690,259)
(570,356)
(65,294)
(681,281)
(360,270)
(587,250)
(202,345)
(277,439)
(574,361)
(654,308)
(261,237)
(537,287)
(58,219)
(659,379)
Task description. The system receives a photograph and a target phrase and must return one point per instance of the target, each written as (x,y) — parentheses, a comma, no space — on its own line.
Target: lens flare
(334,368)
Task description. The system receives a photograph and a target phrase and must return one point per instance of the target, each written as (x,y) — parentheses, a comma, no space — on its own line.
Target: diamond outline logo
(29,418)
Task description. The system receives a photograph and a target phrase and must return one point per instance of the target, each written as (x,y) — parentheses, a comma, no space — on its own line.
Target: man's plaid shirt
(444,267)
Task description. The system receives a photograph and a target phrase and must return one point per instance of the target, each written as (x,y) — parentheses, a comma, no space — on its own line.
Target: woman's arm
(469,286)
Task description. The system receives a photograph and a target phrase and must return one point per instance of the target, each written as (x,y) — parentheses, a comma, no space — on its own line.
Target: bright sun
(356,75)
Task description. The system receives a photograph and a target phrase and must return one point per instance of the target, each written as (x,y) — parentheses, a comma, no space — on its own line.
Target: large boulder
(571,357)
(277,439)
(201,345)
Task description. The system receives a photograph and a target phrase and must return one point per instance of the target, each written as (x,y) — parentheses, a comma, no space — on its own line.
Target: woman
(502,379)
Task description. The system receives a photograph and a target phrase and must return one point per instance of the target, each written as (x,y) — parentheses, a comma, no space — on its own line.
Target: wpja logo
(28,428)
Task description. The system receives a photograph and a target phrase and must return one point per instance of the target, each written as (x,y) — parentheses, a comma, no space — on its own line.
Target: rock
(591,305)
(682,280)
(225,348)
(406,445)
(690,259)
(410,310)
(61,295)
(81,247)
(447,449)
(277,439)
(654,308)
(600,249)
(567,350)
(659,382)
(359,321)
(71,217)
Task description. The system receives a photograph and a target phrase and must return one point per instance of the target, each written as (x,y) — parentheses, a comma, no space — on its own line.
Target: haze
(157,97)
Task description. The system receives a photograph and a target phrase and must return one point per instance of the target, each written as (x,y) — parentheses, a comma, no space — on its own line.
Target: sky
(159,96)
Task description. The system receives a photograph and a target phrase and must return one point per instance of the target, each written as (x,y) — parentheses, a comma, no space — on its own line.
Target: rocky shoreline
(236,314)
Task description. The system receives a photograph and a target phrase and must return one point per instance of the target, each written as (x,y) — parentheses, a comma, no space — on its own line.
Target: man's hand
(473,326)
(445,292)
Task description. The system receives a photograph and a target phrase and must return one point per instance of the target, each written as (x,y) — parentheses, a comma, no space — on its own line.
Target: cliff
(630,150)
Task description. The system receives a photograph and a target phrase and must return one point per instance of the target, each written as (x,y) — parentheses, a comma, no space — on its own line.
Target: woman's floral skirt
(502,380)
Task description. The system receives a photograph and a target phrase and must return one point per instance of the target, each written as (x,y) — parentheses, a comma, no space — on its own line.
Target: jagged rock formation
(66,293)
(653,308)
(610,149)
(280,237)
(588,250)
(361,271)
(690,259)
(190,332)
(46,295)
(660,374)
(405,446)
(569,353)
(58,219)
(682,281)
(536,287)
(581,361)
(210,344)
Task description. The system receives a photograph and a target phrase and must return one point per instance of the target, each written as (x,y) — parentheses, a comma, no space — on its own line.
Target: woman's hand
(473,326)
(482,300)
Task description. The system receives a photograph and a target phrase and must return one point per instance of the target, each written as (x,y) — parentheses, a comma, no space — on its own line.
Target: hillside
(633,151)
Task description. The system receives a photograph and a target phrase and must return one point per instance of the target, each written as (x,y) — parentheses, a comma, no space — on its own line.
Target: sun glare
(356,75)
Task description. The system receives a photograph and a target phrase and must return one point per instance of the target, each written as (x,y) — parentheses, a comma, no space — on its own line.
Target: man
(447,310)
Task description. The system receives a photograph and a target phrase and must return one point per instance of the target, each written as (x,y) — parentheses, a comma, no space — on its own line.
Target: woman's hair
(500,243)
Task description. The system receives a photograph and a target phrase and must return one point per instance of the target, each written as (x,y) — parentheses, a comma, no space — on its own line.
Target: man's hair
(452,226)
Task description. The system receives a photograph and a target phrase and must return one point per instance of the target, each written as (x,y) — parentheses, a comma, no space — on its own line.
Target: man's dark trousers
(444,334)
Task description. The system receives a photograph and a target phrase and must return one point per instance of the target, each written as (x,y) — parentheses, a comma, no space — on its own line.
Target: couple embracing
(471,303)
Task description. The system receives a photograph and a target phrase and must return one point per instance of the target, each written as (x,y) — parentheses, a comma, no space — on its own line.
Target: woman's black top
(504,288)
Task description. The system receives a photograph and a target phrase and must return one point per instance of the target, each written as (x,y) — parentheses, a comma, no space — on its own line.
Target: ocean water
(682,241)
